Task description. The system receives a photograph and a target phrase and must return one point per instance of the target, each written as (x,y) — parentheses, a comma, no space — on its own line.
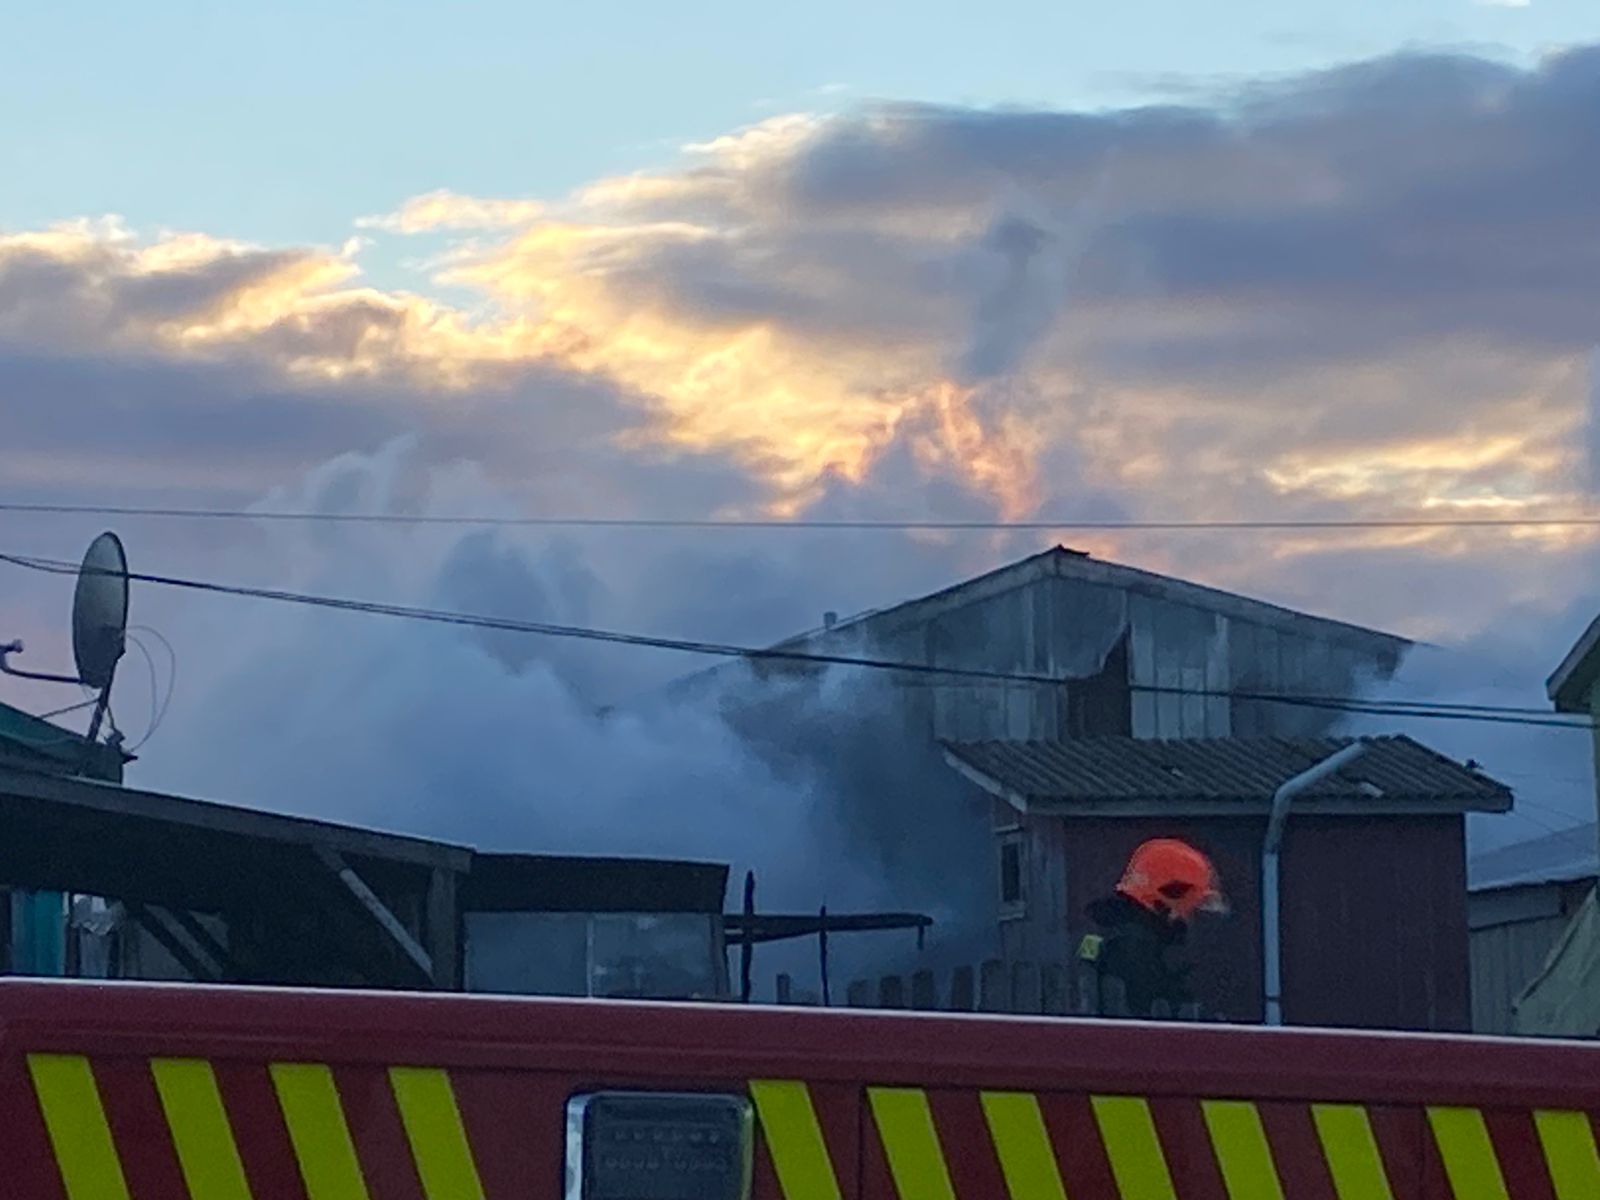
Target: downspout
(1271,849)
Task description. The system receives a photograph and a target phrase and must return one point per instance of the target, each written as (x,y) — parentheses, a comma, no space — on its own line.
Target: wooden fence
(1050,989)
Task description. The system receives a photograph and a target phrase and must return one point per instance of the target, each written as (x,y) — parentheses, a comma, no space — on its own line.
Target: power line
(801,524)
(1347,704)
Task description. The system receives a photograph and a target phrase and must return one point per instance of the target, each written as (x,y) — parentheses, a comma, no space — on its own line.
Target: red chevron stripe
(1516,1145)
(379,1135)
(139,1127)
(517,1127)
(968,1146)
(1079,1148)
(26,1159)
(259,1131)
(1191,1159)
(1403,1140)
(1297,1151)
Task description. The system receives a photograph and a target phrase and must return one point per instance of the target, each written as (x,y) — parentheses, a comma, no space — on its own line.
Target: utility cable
(1346,704)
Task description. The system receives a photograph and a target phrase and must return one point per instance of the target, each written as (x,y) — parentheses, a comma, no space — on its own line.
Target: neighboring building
(1523,898)
(103,881)
(1139,652)
(1373,896)
(1161,675)
(1564,998)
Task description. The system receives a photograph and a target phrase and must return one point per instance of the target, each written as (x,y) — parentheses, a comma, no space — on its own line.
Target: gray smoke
(1549,769)
(512,742)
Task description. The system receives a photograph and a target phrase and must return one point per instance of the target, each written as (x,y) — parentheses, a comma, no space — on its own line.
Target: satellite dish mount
(99,626)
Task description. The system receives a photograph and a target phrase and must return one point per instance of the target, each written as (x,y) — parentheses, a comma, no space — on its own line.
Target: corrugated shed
(1057,774)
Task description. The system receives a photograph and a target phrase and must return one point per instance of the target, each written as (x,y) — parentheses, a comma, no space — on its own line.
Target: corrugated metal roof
(1098,771)
(1565,856)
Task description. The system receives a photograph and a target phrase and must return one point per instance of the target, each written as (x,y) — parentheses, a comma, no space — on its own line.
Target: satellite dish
(100,611)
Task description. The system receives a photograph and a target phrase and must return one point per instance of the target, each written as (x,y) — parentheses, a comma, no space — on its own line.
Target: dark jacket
(1135,949)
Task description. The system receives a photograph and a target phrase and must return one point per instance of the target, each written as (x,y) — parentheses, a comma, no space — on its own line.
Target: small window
(1011,875)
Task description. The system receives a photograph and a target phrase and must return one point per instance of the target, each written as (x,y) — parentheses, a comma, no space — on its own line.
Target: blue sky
(282,122)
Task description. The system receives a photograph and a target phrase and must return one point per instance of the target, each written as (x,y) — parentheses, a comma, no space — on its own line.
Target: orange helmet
(1172,877)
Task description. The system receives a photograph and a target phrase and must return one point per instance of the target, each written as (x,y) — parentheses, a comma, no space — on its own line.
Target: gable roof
(1569,687)
(1063,563)
(1122,776)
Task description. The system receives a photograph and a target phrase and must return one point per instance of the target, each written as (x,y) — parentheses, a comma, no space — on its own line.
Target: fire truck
(122,1091)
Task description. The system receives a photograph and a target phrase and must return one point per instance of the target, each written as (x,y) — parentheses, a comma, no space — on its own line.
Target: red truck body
(160,1092)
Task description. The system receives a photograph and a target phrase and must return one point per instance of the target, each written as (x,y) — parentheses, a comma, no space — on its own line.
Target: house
(1564,997)
(1373,897)
(1133,676)
(1523,898)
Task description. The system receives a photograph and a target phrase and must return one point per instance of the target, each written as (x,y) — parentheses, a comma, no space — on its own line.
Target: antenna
(99,625)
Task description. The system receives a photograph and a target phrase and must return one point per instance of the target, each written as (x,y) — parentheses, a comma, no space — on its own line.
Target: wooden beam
(368,899)
(153,922)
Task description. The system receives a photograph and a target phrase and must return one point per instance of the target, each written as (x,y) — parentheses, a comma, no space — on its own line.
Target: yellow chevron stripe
(1351,1149)
(1022,1143)
(1242,1150)
(200,1130)
(76,1121)
(1469,1158)
(438,1138)
(1129,1132)
(310,1102)
(1569,1149)
(905,1123)
(794,1139)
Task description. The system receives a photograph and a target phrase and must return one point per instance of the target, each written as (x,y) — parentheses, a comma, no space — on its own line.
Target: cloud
(447,210)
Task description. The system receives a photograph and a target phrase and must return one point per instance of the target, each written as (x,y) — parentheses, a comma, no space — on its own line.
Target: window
(1012,892)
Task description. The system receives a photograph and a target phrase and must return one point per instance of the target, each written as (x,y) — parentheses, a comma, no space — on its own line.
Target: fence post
(1113,997)
(1161,1010)
(1091,997)
(858,994)
(1025,993)
(923,994)
(785,989)
(961,990)
(891,992)
(1053,989)
(994,992)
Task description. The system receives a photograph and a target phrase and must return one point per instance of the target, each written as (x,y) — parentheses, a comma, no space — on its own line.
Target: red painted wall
(1374,914)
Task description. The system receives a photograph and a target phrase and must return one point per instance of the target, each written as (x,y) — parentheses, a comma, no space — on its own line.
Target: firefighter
(1166,883)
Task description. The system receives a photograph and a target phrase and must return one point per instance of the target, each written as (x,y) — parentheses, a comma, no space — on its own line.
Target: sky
(1149,261)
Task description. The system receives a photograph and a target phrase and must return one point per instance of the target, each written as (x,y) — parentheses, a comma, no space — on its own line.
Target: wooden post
(1161,1010)
(858,994)
(1090,999)
(1053,989)
(924,996)
(891,992)
(785,989)
(1113,997)
(822,953)
(747,951)
(994,991)
(1025,994)
(961,990)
